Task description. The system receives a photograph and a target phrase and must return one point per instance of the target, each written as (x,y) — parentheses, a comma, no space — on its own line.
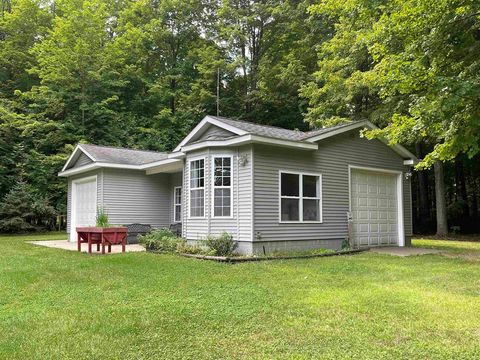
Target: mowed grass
(56,304)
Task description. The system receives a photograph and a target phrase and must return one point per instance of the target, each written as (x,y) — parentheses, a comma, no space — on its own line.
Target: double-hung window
(300,197)
(197,188)
(222,186)
(177,204)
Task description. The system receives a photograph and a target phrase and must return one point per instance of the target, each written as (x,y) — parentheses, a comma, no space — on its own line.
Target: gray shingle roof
(276,132)
(124,156)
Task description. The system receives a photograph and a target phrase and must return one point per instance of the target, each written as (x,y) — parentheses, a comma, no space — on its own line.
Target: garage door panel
(374,208)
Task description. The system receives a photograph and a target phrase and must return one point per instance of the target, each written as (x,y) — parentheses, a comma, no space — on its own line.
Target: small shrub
(345,244)
(222,245)
(184,248)
(102,218)
(162,240)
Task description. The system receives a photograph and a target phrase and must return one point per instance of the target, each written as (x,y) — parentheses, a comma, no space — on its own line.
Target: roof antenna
(218,91)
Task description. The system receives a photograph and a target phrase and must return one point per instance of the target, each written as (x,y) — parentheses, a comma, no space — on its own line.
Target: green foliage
(195,249)
(222,245)
(21,210)
(407,66)
(162,240)
(102,218)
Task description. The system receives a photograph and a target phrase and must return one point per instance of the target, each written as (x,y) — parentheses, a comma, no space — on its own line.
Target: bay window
(222,186)
(300,197)
(197,188)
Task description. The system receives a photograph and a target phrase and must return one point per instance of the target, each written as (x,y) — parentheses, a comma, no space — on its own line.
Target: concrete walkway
(403,251)
(72,246)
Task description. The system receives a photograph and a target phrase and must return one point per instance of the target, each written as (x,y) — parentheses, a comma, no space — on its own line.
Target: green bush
(222,245)
(162,240)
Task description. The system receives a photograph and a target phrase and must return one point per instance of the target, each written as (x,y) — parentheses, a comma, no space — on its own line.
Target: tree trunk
(440,203)
(424,206)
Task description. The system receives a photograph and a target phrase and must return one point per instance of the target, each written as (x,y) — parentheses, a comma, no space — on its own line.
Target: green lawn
(67,305)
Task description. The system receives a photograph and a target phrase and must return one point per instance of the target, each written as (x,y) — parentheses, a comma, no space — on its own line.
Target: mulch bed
(238,259)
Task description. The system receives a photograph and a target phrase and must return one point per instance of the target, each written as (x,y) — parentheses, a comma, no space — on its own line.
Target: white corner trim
(400,205)
(77,149)
(207,120)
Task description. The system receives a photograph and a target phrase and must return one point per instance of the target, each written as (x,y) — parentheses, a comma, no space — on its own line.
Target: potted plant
(103,233)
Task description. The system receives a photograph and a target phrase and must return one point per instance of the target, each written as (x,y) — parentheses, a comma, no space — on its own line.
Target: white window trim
(73,204)
(222,187)
(175,204)
(199,188)
(300,198)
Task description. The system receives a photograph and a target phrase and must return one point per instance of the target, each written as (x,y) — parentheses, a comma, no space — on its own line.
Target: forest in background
(141,74)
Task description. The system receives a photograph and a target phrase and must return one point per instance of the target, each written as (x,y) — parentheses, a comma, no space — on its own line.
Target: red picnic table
(101,236)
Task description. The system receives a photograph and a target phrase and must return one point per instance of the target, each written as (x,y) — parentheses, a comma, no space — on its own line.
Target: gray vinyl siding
(331,160)
(99,174)
(82,160)
(239,225)
(213,132)
(131,196)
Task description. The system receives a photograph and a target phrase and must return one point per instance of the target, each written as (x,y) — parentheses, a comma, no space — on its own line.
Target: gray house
(270,188)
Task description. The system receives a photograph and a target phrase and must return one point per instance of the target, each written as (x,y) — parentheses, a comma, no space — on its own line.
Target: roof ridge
(123,148)
(254,123)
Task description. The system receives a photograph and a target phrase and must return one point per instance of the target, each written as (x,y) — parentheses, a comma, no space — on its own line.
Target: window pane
(311,210)
(197,202)
(221,202)
(310,186)
(290,184)
(290,210)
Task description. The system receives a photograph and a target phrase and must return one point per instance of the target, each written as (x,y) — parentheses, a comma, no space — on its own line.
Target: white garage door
(84,204)
(374,208)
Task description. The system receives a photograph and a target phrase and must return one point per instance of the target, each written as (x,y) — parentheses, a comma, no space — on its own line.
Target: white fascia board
(341,130)
(77,149)
(78,170)
(160,163)
(399,149)
(207,120)
(249,139)
(98,165)
(284,143)
(176,155)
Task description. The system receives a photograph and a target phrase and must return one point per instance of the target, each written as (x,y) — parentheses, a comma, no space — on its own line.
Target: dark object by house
(176,229)
(134,230)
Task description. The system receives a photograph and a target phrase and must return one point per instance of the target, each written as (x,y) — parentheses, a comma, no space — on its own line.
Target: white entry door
(374,205)
(84,204)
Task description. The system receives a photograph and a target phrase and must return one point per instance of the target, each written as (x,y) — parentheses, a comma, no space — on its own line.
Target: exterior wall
(99,174)
(331,160)
(82,160)
(131,196)
(239,225)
